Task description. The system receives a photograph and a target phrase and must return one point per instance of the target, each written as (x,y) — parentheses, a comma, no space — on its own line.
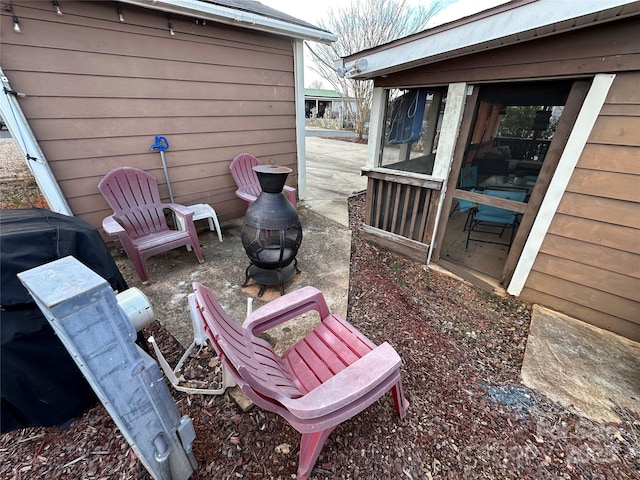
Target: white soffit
(537,19)
(239,18)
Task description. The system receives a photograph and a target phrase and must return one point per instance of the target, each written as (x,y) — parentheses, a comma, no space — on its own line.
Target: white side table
(202,211)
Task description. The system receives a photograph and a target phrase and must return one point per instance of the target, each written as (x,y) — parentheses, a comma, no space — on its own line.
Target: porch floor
(486,258)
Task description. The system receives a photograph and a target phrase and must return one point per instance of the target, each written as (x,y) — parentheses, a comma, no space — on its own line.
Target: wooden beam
(483,199)
(396,243)
(407,178)
(466,274)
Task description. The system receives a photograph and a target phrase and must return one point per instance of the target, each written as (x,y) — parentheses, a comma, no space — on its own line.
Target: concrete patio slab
(581,366)
(323,260)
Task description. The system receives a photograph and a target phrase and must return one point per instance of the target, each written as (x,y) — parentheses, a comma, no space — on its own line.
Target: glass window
(413,119)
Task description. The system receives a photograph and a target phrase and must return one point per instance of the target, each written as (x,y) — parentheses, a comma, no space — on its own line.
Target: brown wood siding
(99,91)
(612,47)
(589,262)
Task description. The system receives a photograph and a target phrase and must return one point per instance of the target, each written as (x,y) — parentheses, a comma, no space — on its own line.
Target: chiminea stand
(265,278)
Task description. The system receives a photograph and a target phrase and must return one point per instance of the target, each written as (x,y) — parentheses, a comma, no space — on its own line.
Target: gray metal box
(83,311)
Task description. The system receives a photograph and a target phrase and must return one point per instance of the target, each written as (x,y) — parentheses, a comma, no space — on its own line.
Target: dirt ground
(18,188)
(470,417)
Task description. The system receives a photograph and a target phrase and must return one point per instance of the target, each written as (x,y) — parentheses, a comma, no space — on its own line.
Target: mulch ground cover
(470,417)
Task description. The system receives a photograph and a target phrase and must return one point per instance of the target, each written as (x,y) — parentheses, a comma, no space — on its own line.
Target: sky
(453,10)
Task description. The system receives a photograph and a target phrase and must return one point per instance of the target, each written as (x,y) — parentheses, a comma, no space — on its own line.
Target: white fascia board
(230,16)
(505,28)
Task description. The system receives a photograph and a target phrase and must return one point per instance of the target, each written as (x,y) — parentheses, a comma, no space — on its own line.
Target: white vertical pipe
(298,74)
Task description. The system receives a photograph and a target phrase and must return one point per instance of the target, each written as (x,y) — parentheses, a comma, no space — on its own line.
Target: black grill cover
(40,383)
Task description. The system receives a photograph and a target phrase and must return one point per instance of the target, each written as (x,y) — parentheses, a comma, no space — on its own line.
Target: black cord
(14,93)
(8,91)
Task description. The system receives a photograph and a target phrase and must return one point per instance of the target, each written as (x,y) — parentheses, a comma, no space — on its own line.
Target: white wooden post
(376,127)
(453,111)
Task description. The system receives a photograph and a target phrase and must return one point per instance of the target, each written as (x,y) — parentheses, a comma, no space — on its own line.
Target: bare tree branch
(360,25)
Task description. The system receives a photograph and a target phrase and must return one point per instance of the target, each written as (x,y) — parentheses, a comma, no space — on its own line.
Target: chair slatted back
(134,197)
(242,170)
(251,360)
(252,189)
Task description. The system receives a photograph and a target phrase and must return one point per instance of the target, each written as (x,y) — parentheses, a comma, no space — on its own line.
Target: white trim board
(568,160)
(237,17)
(538,19)
(298,75)
(31,151)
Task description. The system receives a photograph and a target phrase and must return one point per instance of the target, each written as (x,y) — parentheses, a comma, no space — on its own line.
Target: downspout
(21,132)
(298,78)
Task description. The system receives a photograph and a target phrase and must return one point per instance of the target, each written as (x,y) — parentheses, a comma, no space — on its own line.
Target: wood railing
(525,148)
(401,211)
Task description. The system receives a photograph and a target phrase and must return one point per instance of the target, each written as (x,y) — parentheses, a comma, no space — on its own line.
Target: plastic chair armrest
(179,209)
(111,226)
(242,194)
(286,307)
(185,216)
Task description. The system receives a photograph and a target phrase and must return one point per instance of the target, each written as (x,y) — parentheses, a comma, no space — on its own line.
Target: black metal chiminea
(272,233)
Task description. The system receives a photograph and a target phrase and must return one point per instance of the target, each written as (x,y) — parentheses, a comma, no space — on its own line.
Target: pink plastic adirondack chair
(247,181)
(327,377)
(139,220)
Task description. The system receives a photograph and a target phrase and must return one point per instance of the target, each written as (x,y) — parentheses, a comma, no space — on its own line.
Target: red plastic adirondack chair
(327,377)
(247,181)
(139,219)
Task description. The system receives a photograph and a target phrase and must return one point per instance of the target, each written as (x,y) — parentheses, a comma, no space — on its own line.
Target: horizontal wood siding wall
(612,47)
(589,263)
(99,91)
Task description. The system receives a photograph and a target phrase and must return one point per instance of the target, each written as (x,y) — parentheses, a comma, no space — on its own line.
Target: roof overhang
(508,24)
(239,18)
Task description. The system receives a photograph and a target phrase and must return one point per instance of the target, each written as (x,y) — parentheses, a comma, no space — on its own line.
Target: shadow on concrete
(323,260)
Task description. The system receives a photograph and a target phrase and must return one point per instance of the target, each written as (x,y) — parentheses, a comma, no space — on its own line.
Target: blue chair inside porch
(486,216)
(468,178)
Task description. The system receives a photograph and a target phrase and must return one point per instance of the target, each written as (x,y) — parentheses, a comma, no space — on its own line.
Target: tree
(361,25)
(316,84)
(517,122)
